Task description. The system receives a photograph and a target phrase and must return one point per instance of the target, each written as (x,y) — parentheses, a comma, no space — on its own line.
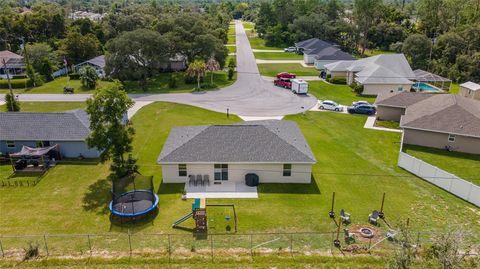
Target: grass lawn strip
(341,94)
(388,124)
(258,43)
(463,165)
(47,106)
(57,85)
(277,56)
(272,70)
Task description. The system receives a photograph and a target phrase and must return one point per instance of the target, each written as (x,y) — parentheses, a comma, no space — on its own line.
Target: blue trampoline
(134,203)
(133,197)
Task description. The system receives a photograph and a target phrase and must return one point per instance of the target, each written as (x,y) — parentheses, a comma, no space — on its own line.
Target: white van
(299,86)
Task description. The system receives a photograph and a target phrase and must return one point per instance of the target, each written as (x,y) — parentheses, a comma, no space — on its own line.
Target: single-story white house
(470,90)
(380,73)
(68,130)
(276,151)
(444,121)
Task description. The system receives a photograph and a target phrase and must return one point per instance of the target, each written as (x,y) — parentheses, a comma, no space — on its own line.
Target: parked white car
(290,49)
(330,105)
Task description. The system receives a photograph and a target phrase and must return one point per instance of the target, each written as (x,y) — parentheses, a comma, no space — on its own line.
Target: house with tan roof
(444,121)
(14,64)
(377,74)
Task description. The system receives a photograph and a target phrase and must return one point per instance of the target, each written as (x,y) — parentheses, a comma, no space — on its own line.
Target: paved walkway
(370,124)
(136,107)
(249,96)
(259,61)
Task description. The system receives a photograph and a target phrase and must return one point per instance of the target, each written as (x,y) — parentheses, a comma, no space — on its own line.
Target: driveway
(250,95)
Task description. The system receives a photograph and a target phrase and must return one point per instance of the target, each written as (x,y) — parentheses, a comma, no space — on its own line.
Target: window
(287,170)
(10,144)
(451,138)
(221,171)
(182,170)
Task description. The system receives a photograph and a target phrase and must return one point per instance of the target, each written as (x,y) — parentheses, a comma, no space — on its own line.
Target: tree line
(442,36)
(136,38)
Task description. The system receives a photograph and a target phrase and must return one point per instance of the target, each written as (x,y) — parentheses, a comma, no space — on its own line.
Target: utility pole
(9,83)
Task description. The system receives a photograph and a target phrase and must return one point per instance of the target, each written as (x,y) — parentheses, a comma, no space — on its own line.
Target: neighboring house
(331,55)
(274,150)
(66,129)
(392,106)
(470,90)
(377,74)
(319,52)
(176,63)
(444,121)
(14,64)
(98,63)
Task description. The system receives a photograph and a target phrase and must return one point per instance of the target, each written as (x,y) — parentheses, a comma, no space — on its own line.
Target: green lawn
(258,43)
(466,166)
(231,30)
(160,83)
(47,106)
(454,87)
(57,85)
(388,124)
(72,198)
(272,70)
(278,56)
(232,39)
(341,94)
(232,49)
(248,25)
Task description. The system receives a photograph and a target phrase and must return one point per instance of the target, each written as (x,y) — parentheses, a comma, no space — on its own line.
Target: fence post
(45,242)
(211,246)
(251,246)
(291,245)
(89,244)
(1,249)
(169,249)
(130,243)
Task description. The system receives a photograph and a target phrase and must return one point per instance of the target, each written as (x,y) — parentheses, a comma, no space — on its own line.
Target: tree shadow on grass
(97,198)
(170,188)
(296,188)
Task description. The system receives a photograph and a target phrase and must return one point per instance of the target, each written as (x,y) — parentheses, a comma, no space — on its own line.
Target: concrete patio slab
(230,190)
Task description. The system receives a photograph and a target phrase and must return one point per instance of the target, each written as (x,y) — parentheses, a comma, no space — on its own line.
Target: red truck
(286,75)
(283,82)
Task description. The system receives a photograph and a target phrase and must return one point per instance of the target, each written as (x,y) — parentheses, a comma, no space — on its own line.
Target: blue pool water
(425,87)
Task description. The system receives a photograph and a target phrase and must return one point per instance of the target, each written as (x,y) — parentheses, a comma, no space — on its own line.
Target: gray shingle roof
(271,141)
(401,99)
(28,126)
(334,54)
(445,113)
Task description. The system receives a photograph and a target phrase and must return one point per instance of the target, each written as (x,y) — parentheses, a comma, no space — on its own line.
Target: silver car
(290,49)
(330,105)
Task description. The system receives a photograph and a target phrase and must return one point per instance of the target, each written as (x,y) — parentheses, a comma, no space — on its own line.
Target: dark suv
(362,109)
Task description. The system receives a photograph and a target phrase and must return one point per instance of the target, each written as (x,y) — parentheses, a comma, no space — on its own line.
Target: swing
(227,216)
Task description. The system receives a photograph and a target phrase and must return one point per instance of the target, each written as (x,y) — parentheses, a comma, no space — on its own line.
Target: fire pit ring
(366,232)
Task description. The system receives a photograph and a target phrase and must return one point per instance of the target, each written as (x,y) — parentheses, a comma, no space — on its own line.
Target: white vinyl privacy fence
(449,182)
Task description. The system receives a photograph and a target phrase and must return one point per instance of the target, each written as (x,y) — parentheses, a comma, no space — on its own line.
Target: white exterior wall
(267,173)
(375,89)
(335,74)
(469,93)
(309,59)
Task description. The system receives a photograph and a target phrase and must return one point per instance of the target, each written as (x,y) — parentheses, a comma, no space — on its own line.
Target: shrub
(231,63)
(231,72)
(172,81)
(88,76)
(338,80)
(11,103)
(191,80)
(74,76)
(31,251)
(329,76)
(358,89)
(16,83)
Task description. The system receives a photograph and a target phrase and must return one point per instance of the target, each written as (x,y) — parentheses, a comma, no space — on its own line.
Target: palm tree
(197,69)
(212,65)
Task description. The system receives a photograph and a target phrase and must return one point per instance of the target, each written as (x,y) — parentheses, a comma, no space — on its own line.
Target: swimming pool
(424,87)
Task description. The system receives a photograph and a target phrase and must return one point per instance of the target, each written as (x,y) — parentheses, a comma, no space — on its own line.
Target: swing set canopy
(34,152)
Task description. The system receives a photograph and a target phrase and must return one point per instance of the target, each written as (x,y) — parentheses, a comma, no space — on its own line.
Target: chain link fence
(212,246)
